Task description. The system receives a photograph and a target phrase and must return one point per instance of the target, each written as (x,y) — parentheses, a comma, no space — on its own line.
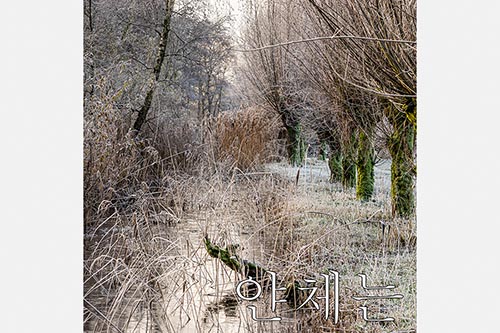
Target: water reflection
(228,304)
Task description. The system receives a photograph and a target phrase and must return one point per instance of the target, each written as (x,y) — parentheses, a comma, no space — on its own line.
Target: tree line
(345,70)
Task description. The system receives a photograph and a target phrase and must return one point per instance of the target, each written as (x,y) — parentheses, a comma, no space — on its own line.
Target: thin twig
(315,39)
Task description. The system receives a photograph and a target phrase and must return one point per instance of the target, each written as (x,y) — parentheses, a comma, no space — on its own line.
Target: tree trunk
(335,157)
(88,13)
(330,137)
(349,162)
(322,151)
(230,259)
(335,165)
(295,144)
(403,170)
(143,111)
(366,179)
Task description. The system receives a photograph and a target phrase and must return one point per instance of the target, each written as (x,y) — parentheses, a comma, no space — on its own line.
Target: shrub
(245,137)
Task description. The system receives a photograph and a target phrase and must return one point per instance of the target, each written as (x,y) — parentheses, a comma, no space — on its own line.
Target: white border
(41,166)
(458,165)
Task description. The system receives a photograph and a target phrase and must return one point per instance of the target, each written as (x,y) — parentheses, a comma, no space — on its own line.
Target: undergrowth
(149,201)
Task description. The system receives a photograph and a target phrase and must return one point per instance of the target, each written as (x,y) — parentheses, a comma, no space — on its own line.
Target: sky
(233,8)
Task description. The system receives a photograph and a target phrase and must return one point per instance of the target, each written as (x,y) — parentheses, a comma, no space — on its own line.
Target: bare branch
(326,38)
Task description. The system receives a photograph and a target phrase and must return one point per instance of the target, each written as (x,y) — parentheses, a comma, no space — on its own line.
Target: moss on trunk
(349,162)
(295,145)
(366,180)
(335,165)
(335,154)
(322,151)
(349,171)
(231,260)
(403,170)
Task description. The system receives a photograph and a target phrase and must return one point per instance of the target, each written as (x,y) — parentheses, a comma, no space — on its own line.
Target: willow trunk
(295,145)
(349,162)
(403,170)
(366,180)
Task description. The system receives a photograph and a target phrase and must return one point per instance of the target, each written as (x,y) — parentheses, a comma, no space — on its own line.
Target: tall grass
(246,137)
(114,161)
(145,266)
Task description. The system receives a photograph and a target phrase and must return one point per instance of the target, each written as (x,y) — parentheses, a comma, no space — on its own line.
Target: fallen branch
(230,259)
(293,295)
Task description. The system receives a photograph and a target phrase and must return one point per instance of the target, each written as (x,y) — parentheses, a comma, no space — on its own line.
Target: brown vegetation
(204,160)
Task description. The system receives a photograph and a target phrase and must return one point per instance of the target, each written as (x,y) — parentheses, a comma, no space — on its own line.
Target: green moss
(366,180)
(231,260)
(322,151)
(296,146)
(349,172)
(223,254)
(335,165)
(401,148)
(349,162)
(334,157)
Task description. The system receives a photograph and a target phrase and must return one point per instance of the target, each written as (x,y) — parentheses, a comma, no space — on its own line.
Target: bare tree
(273,73)
(383,65)
(153,81)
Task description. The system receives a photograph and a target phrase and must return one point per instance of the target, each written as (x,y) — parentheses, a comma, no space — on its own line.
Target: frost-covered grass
(147,268)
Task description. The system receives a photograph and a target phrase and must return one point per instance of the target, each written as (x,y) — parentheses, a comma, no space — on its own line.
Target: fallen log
(249,269)
(228,256)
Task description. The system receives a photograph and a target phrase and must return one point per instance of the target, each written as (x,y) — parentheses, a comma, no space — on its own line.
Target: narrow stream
(199,291)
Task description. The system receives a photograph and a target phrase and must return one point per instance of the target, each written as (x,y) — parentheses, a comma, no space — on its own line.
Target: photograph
(249,166)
